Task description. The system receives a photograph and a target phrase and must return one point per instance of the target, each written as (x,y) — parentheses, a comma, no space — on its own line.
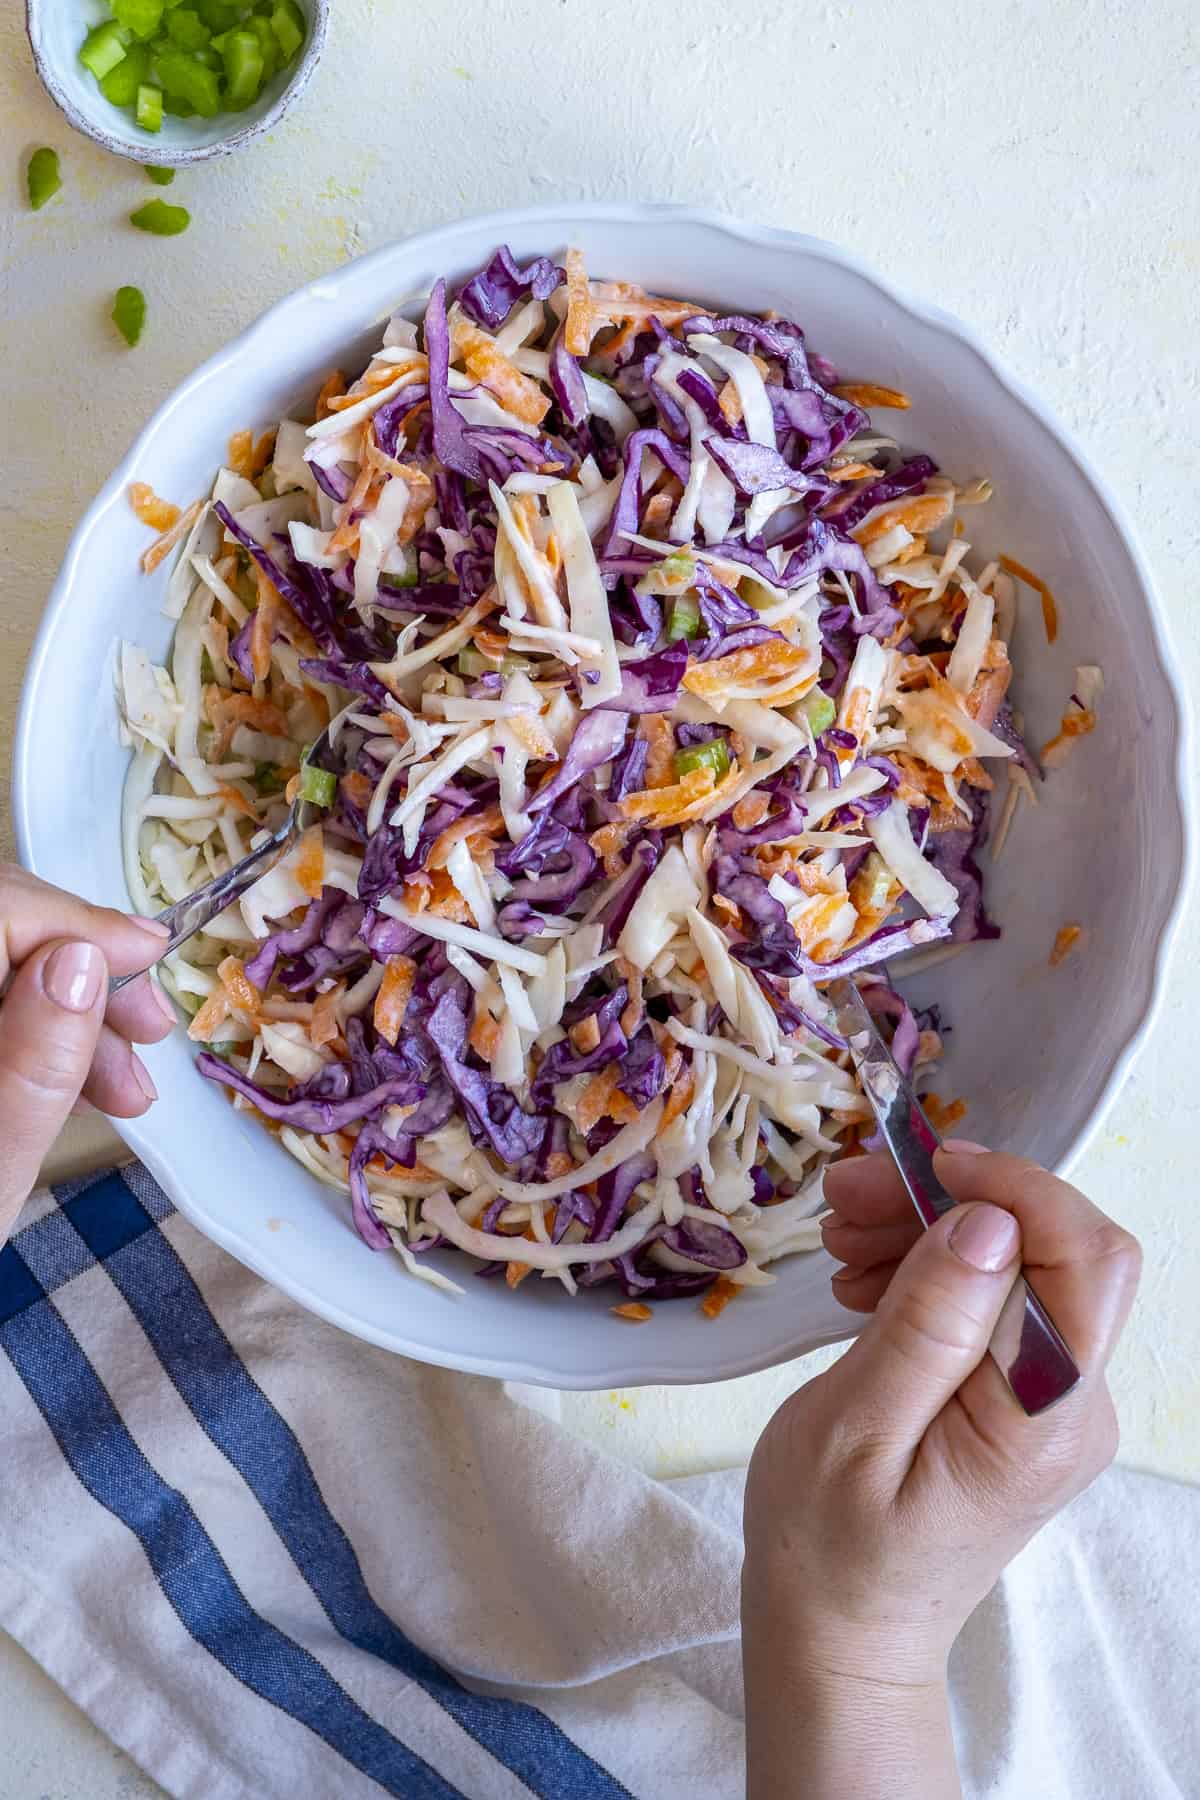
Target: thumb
(49,1023)
(934,1323)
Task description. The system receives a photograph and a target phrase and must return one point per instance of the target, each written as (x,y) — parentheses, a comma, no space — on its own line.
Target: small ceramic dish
(57,28)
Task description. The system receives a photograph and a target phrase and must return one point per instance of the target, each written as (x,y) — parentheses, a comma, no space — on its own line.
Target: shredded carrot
(324,1027)
(346,535)
(867,394)
(371,383)
(262,628)
(333,385)
(1049,609)
(1074,725)
(470,826)
(392,996)
(851,471)
(356,788)
(718,1297)
(1066,941)
(244,709)
(444,899)
(679,1097)
(919,512)
(237,984)
(309,868)
(633,1310)
(162,546)
(691,795)
(487,364)
(484,1034)
(580,321)
(730,403)
(660,749)
(515,1273)
(236,800)
(943,1115)
(772,661)
(608,841)
(215,1010)
(593,1102)
(240,454)
(159,514)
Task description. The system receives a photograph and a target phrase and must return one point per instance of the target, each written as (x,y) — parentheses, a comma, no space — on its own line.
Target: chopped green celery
(219,15)
(287,22)
(317,785)
(208,58)
(218,43)
(102,49)
(121,84)
(712,755)
(149,108)
(393,579)
(142,17)
(221,1050)
(269,778)
(179,109)
(268,44)
(186,28)
(129,313)
(475,663)
(243,68)
(160,177)
(819,710)
(43,177)
(160,219)
(683,620)
(183,78)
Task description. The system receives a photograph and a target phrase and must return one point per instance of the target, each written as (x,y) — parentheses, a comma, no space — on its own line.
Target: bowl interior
(1033,1050)
(57,28)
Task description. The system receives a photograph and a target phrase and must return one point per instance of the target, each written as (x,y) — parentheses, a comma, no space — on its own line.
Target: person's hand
(885,1497)
(61,1041)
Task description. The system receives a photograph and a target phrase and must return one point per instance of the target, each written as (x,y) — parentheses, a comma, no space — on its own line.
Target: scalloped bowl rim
(623,1369)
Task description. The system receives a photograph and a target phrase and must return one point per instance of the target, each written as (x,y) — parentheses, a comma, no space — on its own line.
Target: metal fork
(1027,1346)
(195,911)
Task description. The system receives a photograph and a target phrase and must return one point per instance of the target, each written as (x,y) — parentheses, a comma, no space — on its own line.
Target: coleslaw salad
(662,694)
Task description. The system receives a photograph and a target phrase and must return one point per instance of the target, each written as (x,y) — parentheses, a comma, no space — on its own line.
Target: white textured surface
(1033,171)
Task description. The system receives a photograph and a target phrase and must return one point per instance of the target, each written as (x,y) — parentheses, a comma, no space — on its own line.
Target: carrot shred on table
(159,514)
(1011,566)
(633,1310)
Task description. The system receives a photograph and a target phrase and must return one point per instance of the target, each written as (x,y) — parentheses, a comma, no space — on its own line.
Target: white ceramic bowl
(1038,1053)
(57,28)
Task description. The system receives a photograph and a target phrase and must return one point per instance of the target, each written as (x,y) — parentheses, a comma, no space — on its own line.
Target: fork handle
(195,911)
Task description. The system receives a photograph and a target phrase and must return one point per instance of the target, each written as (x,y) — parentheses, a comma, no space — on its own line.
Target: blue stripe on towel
(241,1421)
(104,1457)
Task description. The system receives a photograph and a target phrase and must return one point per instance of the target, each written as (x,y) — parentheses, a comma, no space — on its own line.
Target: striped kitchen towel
(271,1561)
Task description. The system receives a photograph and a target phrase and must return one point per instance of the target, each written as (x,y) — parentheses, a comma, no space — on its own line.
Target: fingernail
(142,1076)
(154,926)
(73,976)
(986,1237)
(964,1147)
(164,1002)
